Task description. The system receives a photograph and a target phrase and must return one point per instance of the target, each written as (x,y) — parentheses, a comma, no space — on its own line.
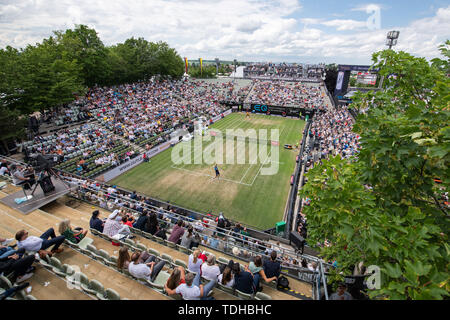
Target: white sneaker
(7,241)
(24,277)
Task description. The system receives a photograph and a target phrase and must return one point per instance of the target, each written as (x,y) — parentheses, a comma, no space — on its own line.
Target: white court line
(208,175)
(265,161)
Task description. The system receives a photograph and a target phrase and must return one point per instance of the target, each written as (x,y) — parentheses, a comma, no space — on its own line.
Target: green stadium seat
(167,258)
(225,288)
(262,296)
(244,296)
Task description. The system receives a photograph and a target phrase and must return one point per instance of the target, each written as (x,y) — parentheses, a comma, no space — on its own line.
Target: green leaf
(392,271)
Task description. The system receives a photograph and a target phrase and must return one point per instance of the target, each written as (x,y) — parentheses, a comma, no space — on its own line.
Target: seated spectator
(341,293)
(210,270)
(187,237)
(140,223)
(148,269)
(95,222)
(73,236)
(124,258)
(5,242)
(127,221)
(226,278)
(152,226)
(243,280)
(113,226)
(4,171)
(6,251)
(18,176)
(256,268)
(192,289)
(19,264)
(195,261)
(176,278)
(32,243)
(213,241)
(177,232)
(12,291)
(313,266)
(272,267)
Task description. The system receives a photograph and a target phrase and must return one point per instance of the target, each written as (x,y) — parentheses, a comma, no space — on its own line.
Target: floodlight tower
(392,37)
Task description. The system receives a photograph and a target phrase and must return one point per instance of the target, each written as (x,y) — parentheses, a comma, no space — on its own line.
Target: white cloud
(252,30)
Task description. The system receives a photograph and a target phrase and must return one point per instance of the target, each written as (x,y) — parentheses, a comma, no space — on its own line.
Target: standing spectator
(177,232)
(187,237)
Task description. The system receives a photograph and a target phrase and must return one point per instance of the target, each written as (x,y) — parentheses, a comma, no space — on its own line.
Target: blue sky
(249,30)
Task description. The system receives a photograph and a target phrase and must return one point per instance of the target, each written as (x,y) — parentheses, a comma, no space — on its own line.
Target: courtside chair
(262,296)
(244,296)
(159,240)
(30,297)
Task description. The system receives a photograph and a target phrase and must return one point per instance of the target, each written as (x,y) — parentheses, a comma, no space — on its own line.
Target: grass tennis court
(243,193)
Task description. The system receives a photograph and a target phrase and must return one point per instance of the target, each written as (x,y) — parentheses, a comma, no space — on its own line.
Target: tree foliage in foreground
(384,208)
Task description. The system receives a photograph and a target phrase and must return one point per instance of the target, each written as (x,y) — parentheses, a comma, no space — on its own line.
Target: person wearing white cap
(113,225)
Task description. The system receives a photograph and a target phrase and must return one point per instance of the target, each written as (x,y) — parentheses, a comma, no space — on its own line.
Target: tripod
(51,172)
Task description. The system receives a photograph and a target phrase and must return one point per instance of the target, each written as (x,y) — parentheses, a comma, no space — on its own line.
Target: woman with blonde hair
(196,260)
(75,235)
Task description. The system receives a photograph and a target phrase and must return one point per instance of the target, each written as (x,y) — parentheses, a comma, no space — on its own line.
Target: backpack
(282,283)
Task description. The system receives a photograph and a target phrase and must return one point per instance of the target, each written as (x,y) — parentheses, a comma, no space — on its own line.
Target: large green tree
(83,45)
(384,207)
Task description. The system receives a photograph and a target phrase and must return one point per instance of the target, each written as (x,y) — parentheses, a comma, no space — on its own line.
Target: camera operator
(22,176)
